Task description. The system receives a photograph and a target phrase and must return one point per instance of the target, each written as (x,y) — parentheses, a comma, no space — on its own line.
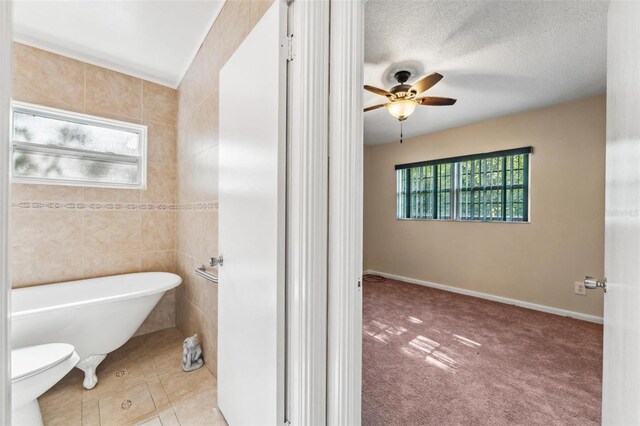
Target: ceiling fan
(402,98)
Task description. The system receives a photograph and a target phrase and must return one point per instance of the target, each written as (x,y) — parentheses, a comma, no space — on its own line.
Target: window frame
(456,189)
(82,119)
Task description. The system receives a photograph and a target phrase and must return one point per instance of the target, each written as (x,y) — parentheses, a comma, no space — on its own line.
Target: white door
(252,192)
(621,374)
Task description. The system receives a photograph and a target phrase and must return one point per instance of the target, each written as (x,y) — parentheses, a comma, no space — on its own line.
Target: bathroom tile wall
(61,233)
(197,172)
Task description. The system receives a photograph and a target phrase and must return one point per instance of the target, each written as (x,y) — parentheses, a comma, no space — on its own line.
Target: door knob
(216,261)
(592,283)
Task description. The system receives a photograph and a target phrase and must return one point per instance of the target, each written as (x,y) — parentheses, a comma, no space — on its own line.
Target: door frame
(6,42)
(346,146)
(324,255)
(307,218)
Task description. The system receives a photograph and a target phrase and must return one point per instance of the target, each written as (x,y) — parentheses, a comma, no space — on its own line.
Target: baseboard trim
(506,300)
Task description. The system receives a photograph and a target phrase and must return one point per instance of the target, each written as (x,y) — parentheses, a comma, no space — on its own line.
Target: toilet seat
(34,370)
(32,360)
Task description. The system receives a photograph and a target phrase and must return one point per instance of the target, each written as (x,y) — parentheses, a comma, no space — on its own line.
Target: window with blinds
(491,186)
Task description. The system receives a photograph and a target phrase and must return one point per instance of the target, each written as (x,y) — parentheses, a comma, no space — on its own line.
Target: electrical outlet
(580,289)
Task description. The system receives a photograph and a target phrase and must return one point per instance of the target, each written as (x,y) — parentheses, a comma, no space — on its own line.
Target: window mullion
(435,190)
(75,152)
(504,188)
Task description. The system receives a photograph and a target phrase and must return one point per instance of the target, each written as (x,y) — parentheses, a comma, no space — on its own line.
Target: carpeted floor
(432,357)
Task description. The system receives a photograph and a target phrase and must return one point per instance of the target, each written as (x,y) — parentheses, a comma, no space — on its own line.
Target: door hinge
(289,46)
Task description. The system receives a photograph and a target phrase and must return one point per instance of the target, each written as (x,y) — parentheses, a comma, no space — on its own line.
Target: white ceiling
(154,40)
(497,57)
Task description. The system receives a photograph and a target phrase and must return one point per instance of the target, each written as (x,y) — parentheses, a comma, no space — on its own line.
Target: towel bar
(206,275)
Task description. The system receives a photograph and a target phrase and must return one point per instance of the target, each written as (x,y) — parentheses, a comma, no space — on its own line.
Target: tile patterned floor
(142,383)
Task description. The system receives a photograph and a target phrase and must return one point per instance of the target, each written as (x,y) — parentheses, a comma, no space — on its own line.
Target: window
(51,146)
(484,187)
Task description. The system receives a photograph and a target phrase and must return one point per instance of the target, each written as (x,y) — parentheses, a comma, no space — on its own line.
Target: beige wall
(197,224)
(536,262)
(61,233)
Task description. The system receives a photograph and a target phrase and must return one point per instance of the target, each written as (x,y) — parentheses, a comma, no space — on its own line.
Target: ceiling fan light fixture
(401,109)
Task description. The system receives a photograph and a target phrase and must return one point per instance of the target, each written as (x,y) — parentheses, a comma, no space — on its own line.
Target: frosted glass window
(59,147)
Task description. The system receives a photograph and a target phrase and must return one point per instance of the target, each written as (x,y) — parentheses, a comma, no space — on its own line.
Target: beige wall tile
(161,143)
(231,27)
(210,234)
(46,246)
(189,229)
(111,243)
(34,70)
(188,142)
(189,95)
(110,263)
(113,94)
(162,316)
(182,310)
(158,261)
(161,184)
(258,9)
(160,103)
(200,128)
(184,183)
(111,195)
(210,109)
(58,193)
(209,339)
(158,230)
(112,231)
(204,175)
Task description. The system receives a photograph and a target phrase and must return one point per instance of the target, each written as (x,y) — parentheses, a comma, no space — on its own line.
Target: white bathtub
(96,315)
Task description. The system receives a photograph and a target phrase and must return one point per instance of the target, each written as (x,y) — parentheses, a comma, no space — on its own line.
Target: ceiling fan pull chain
(401,132)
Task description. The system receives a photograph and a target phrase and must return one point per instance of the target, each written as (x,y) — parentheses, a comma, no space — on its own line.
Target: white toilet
(34,370)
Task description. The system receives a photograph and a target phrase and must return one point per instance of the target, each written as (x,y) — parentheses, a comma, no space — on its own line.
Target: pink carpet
(432,357)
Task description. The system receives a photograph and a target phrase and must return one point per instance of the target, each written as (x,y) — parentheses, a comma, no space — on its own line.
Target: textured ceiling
(497,57)
(154,39)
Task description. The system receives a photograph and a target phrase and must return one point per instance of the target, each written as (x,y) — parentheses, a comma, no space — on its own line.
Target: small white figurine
(191,354)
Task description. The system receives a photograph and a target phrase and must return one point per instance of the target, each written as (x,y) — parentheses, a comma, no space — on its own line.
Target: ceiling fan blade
(434,100)
(377,91)
(426,83)
(373,107)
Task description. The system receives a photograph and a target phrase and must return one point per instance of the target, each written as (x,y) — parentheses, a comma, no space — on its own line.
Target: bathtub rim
(175,282)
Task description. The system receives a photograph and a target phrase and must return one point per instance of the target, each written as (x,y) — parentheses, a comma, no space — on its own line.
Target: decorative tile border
(203,205)
(82,206)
